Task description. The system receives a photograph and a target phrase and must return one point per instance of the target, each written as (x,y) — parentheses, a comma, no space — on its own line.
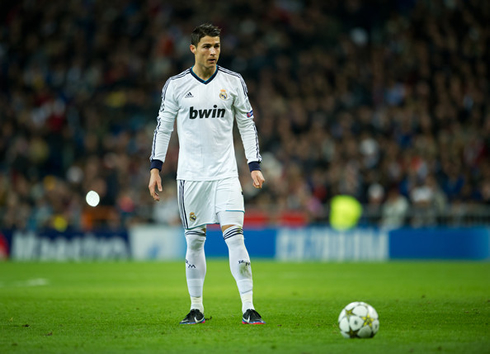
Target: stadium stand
(385,101)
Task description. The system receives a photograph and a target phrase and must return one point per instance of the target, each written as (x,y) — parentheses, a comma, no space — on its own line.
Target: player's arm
(248,133)
(161,138)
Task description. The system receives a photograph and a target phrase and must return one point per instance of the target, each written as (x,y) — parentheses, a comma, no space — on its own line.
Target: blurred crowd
(387,101)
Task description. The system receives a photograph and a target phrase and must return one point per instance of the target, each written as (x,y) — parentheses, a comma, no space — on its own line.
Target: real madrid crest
(222,94)
(192,216)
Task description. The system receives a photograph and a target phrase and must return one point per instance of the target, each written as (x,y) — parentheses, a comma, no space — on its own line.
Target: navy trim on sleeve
(156,164)
(254,166)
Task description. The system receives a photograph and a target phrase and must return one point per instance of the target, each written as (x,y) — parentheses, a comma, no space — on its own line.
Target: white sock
(247,301)
(196,303)
(240,265)
(195,261)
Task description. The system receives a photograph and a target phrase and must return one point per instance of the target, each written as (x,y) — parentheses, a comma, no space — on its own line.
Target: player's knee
(225,227)
(195,239)
(229,219)
(233,235)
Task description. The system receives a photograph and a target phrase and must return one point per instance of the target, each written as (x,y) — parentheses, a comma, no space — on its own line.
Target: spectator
(394,210)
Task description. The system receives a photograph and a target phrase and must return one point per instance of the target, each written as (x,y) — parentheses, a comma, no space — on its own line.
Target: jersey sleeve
(165,126)
(245,122)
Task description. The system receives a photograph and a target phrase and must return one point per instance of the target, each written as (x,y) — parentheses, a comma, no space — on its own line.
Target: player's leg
(239,258)
(195,273)
(230,207)
(193,199)
(240,264)
(195,265)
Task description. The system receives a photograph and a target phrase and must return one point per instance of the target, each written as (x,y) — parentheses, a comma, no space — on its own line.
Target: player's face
(207,52)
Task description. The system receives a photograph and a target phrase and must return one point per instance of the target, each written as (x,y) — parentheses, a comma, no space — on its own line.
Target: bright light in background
(92,198)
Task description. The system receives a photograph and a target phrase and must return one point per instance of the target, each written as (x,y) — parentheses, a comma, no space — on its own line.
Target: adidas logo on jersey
(189,95)
(206,113)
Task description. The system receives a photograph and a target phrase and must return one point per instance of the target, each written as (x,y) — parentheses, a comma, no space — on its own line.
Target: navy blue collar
(205,82)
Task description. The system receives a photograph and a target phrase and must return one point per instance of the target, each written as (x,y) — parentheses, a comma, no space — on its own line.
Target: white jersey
(205,113)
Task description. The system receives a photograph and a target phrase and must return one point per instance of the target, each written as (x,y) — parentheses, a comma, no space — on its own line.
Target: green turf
(424,307)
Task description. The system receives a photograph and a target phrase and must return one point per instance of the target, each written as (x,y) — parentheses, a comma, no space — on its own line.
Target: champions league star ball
(358,320)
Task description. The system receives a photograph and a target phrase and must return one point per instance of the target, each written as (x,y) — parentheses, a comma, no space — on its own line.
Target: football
(358,320)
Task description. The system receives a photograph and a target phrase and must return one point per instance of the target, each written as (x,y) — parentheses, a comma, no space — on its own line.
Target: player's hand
(257,178)
(155,183)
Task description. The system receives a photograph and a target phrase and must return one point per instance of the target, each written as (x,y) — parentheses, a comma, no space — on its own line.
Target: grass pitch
(127,307)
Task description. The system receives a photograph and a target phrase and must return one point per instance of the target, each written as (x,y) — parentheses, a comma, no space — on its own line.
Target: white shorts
(210,202)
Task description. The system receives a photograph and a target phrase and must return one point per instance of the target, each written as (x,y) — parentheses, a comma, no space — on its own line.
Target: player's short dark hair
(206,29)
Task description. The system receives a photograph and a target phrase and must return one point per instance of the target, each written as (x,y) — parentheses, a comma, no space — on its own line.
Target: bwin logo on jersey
(206,113)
